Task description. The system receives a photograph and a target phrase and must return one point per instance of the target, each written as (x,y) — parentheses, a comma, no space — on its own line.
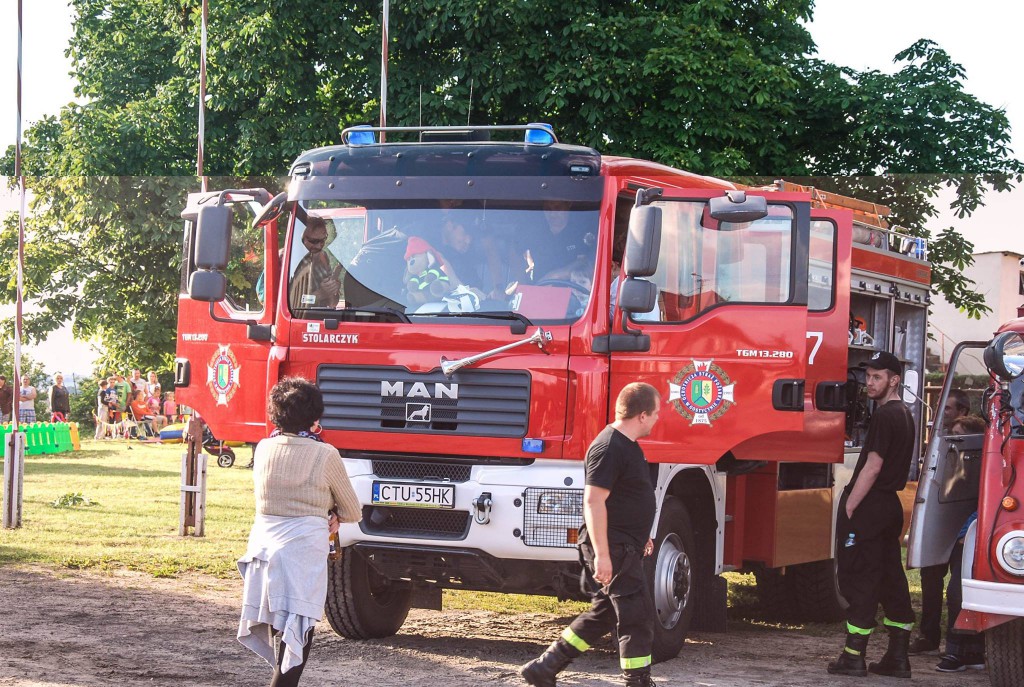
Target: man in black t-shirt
(618,509)
(869,525)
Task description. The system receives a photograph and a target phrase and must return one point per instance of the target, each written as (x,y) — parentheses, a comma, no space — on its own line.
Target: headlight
(563,502)
(1011,552)
(1004,356)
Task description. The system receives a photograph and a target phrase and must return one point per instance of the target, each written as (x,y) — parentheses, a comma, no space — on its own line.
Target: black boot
(541,671)
(638,677)
(895,662)
(851,661)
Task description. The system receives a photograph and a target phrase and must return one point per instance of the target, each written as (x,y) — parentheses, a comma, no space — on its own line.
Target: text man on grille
(618,510)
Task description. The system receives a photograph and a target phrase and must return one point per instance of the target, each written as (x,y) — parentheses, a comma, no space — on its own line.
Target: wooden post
(14,477)
(193,482)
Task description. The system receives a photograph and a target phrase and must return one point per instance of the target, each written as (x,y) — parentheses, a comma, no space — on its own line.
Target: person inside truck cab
(958,405)
(561,250)
(316,282)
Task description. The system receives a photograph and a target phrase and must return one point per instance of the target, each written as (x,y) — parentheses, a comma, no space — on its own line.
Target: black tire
(1004,649)
(815,587)
(774,594)
(226,459)
(672,574)
(362,604)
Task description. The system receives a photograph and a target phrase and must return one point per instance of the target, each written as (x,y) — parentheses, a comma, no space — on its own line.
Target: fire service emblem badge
(702,392)
(222,375)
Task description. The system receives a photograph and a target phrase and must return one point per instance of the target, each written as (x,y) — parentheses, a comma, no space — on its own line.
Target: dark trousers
(933,578)
(291,678)
(624,605)
(871,562)
(958,643)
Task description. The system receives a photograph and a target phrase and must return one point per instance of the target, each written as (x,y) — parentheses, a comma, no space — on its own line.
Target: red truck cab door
(828,316)
(221,356)
(728,344)
(947,491)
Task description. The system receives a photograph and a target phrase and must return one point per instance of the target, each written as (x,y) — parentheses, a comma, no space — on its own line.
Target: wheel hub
(672,575)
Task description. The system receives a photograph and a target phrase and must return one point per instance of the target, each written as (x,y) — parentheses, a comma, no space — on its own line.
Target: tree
(722,87)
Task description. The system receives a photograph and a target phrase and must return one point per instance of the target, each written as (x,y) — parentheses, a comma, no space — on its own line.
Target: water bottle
(334,550)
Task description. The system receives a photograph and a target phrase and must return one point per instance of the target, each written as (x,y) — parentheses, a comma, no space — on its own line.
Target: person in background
(124,389)
(956,407)
(6,400)
(27,400)
(302,493)
(317,280)
(59,400)
(170,407)
(137,381)
(153,388)
(102,409)
(114,408)
(142,416)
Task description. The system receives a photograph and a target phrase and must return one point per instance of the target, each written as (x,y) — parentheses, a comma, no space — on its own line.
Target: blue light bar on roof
(542,137)
(361,138)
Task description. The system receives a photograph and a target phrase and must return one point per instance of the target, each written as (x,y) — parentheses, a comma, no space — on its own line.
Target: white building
(999,277)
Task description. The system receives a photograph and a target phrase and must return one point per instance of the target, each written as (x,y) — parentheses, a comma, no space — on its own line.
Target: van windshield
(379,262)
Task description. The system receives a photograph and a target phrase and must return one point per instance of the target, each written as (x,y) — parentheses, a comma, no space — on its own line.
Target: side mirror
(213,237)
(1004,357)
(271,210)
(737,207)
(911,380)
(643,244)
(638,295)
(204,285)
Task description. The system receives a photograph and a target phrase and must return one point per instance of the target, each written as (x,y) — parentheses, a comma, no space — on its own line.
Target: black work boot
(541,671)
(638,677)
(851,661)
(895,662)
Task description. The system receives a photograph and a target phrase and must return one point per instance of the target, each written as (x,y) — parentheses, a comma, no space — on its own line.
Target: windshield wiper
(490,315)
(378,310)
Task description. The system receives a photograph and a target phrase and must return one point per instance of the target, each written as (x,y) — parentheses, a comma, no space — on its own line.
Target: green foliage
(73,500)
(721,87)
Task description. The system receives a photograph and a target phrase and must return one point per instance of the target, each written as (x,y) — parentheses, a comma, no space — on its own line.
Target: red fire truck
(976,472)
(463,409)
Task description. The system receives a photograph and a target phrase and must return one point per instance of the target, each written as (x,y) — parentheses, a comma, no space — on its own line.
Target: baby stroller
(215,447)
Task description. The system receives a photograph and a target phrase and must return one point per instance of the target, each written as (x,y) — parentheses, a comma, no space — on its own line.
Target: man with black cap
(869,525)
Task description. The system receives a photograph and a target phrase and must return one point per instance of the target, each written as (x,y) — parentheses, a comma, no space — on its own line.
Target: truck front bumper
(517,512)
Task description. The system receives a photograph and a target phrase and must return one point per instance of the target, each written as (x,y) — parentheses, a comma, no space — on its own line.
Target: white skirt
(284,570)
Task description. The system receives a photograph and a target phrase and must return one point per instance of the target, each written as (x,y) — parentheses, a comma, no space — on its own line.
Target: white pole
(384,71)
(14,450)
(202,97)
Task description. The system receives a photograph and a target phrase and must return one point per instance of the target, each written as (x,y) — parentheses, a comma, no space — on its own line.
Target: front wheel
(1004,646)
(226,459)
(362,603)
(673,580)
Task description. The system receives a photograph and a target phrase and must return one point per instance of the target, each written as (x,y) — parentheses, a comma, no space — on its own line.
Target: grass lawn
(127,518)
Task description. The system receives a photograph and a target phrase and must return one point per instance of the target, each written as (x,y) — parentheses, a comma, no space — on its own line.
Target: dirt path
(61,628)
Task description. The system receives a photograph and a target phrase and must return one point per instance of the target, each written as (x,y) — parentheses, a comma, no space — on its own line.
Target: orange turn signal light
(1010,504)
(571,536)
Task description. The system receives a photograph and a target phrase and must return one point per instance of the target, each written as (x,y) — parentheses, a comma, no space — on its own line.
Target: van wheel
(815,586)
(672,577)
(361,603)
(1004,646)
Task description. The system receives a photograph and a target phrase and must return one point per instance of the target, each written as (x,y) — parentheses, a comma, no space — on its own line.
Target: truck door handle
(788,394)
(830,396)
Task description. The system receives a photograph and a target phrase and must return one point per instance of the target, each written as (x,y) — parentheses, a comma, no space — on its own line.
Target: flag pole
(202,96)
(14,449)
(384,71)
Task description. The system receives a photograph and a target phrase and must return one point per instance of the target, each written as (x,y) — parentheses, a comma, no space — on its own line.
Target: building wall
(997,276)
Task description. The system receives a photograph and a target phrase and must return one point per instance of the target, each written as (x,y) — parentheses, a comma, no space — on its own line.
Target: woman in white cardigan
(302,494)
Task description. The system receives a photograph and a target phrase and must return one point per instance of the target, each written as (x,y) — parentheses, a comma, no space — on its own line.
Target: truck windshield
(396,261)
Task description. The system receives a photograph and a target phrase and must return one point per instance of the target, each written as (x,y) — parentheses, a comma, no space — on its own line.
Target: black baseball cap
(884,360)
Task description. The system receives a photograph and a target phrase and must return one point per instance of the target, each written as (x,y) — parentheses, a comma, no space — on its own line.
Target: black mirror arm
(625,325)
(228,320)
(646,195)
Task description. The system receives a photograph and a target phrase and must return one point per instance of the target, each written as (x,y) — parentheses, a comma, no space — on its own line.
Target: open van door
(947,492)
